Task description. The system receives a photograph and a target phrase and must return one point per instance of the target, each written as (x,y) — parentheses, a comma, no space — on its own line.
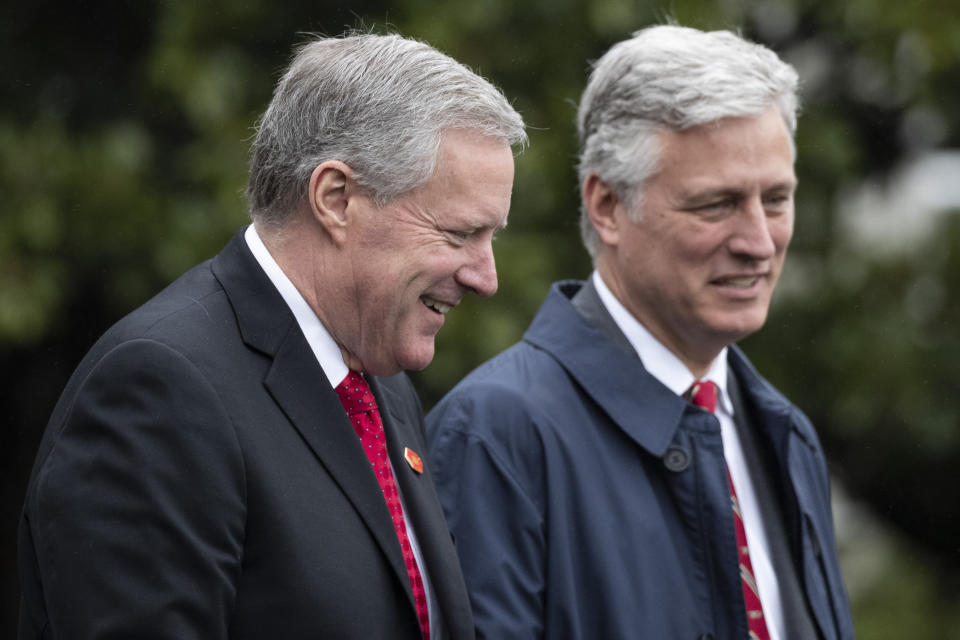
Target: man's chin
(417,359)
(740,326)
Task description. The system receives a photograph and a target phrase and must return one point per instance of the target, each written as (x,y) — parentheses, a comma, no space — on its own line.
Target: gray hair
(379,104)
(673,77)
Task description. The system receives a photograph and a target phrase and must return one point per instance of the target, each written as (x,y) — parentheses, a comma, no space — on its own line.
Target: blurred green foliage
(124,130)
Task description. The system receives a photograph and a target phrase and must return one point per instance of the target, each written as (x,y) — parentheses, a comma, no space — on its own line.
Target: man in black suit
(200,476)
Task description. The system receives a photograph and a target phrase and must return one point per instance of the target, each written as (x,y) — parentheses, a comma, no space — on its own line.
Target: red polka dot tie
(357,399)
(704,395)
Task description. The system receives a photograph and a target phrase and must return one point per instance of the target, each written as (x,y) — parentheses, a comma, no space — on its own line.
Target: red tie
(704,395)
(362,408)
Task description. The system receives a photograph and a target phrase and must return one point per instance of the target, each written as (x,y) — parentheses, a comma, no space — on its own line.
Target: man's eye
(777,200)
(459,235)
(716,205)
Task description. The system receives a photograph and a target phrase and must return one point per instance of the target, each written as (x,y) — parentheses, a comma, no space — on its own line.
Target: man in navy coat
(623,472)
(200,476)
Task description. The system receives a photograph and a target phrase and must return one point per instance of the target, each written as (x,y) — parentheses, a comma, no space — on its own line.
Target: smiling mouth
(435,305)
(743,282)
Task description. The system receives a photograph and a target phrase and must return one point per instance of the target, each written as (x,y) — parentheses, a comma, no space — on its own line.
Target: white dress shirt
(666,367)
(331,361)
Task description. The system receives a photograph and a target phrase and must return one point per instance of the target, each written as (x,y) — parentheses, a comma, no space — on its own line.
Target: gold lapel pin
(413,459)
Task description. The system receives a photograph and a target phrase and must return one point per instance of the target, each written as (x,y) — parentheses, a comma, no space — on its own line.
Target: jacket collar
(574,329)
(771,408)
(262,316)
(613,376)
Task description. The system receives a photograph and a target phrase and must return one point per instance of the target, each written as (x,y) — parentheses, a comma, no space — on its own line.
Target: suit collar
(262,316)
(322,344)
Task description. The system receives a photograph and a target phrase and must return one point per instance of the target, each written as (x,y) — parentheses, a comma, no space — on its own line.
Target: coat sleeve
(137,513)
(491,492)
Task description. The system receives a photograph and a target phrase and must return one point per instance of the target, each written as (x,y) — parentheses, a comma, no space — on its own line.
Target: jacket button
(676,459)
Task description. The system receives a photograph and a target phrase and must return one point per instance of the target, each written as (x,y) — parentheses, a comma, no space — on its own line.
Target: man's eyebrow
(690,195)
(495,227)
(783,185)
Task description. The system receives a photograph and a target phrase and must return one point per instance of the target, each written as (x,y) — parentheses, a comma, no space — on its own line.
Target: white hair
(669,77)
(379,104)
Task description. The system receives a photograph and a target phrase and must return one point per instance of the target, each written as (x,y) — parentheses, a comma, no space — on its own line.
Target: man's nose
(480,272)
(752,236)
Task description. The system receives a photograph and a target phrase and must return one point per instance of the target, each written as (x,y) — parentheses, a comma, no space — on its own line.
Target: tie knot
(703,393)
(355,394)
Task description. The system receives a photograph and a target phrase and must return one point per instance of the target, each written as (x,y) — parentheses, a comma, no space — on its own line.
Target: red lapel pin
(413,459)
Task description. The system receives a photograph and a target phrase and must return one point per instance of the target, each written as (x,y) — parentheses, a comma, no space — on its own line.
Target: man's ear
(602,204)
(330,190)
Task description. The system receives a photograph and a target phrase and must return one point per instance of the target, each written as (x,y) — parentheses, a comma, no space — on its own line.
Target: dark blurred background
(124,130)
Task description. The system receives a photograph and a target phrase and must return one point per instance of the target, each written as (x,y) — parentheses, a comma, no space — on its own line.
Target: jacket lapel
(298,385)
(403,425)
(811,533)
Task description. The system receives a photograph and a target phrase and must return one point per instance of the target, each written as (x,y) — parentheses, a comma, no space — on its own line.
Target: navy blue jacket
(589,501)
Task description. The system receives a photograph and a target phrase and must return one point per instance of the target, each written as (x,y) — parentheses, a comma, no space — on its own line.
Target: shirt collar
(321,342)
(657,359)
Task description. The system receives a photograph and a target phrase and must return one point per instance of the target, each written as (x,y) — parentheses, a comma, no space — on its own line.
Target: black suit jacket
(200,479)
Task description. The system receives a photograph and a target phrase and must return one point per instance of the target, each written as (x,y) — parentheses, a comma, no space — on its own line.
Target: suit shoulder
(190,315)
(139,365)
(196,297)
(188,324)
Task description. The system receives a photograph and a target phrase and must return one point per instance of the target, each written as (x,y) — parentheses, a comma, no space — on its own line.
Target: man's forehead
(714,156)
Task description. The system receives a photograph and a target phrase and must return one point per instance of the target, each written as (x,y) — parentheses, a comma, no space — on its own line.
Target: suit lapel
(299,386)
(403,425)
(297,383)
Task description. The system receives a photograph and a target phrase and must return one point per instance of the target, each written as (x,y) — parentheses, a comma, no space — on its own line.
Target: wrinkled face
(700,264)
(414,259)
